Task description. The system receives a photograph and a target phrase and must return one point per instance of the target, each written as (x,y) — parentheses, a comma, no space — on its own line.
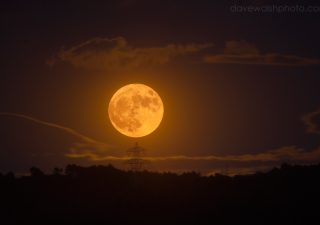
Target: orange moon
(136,110)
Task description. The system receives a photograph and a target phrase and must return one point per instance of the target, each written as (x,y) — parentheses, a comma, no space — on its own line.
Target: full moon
(135,110)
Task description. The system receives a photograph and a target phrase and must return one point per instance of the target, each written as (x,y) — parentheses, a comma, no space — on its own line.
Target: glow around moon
(136,110)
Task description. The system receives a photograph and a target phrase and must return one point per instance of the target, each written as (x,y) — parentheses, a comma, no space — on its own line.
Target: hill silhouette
(106,195)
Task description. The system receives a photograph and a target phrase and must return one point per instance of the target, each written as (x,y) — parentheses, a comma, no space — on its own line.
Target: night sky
(241,88)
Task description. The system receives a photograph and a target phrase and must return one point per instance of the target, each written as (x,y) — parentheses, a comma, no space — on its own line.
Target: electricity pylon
(136,161)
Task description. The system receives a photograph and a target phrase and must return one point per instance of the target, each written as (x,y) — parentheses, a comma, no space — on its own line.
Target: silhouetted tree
(73,170)
(36,172)
(106,195)
(10,175)
(57,171)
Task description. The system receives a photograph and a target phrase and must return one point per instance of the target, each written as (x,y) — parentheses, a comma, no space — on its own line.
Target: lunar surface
(135,110)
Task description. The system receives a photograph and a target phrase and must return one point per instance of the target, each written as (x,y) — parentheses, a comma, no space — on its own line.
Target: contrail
(89,141)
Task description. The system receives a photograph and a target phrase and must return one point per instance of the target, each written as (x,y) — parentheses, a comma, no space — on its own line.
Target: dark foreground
(105,195)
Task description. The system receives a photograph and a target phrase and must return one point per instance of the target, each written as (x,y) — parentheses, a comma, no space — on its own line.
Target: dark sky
(239,81)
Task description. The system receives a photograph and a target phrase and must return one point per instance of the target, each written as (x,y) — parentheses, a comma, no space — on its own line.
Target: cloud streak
(110,54)
(115,53)
(309,121)
(242,52)
(290,153)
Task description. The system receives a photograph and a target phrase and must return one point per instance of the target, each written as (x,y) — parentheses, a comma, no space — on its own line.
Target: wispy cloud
(309,120)
(115,53)
(242,52)
(290,153)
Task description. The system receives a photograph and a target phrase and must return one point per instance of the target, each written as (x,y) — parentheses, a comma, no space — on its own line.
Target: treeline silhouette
(106,195)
